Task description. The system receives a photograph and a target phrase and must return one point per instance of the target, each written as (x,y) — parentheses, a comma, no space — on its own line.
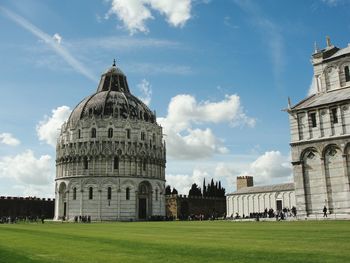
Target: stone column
(328,189)
(300,198)
(118,202)
(99,204)
(81,200)
(137,204)
(67,205)
(347,180)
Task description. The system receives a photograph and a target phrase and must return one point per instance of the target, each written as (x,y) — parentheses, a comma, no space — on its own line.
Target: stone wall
(182,206)
(26,206)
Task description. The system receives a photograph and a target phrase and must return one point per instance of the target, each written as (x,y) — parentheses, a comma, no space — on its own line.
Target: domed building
(110,157)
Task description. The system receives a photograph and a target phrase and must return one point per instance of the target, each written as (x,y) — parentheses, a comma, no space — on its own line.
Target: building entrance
(279,205)
(142,208)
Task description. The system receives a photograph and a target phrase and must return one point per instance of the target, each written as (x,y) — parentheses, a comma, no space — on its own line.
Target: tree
(195,190)
(168,190)
(174,192)
(204,188)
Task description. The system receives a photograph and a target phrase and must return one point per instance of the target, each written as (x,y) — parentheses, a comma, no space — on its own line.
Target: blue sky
(218,73)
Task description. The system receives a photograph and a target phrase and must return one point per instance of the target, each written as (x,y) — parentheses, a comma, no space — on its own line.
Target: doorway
(279,205)
(142,208)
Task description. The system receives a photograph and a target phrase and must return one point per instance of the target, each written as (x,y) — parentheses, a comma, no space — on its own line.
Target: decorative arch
(307,151)
(128,183)
(330,147)
(332,76)
(312,175)
(335,175)
(62,200)
(144,200)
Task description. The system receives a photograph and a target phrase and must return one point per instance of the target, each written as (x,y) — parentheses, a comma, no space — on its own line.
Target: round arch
(144,200)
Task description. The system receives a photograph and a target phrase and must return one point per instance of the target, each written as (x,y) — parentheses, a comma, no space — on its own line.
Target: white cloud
(185,142)
(270,167)
(177,12)
(183,182)
(121,43)
(51,42)
(146,90)
(49,128)
(223,172)
(271,34)
(153,68)
(27,169)
(331,3)
(135,13)
(56,37)
(8,139)
(34,190)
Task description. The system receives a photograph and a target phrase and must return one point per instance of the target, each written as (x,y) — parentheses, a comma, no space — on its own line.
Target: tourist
(324,211)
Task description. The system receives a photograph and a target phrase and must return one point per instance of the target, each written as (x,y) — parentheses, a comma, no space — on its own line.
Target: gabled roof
(340,52)
(319,99)
(265,189)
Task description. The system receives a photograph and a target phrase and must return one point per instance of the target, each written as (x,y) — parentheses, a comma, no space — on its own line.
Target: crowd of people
(82,219)
(24,219)
(269,213)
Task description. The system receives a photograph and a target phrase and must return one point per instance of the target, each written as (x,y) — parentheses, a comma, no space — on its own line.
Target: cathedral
(320,136)
(320,148)
(110,157)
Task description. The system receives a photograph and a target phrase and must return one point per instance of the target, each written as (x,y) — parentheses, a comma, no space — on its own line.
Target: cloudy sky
(217,72)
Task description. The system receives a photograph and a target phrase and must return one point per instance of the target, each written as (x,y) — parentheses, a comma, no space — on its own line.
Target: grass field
(206,241)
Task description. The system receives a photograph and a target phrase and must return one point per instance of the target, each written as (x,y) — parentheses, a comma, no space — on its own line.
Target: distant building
(250,199)
(26,207)
(182,206)
(320,136)
(110,161)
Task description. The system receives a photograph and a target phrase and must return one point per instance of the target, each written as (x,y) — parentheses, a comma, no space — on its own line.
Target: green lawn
(207,241)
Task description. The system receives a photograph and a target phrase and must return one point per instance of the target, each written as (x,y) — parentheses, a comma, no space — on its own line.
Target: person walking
(324,211)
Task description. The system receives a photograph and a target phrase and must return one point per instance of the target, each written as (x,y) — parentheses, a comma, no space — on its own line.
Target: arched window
(91,193)
(109,193)
(79,134)
(127,194)
(116,163)
(143,136)
(110,133)
(144,165)
(74,193)
(156,194)
(128,133)
(347,73)
(93,133)
(86,163)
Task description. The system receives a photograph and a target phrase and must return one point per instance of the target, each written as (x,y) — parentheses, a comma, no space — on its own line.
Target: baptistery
(110,157)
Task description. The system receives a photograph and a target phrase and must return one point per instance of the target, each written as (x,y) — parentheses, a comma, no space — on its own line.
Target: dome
(112,99)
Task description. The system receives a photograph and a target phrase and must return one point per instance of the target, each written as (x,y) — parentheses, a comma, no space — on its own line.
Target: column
(99,203)
(67,205)
(81,200)
(300,198)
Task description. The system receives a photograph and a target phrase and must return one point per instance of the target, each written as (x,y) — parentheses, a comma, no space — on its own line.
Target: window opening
(347,73)
(109,193)
(74,193)
(91,193)
(313,120)
(334,115)
(93,133)
(110,133)
(127,194)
